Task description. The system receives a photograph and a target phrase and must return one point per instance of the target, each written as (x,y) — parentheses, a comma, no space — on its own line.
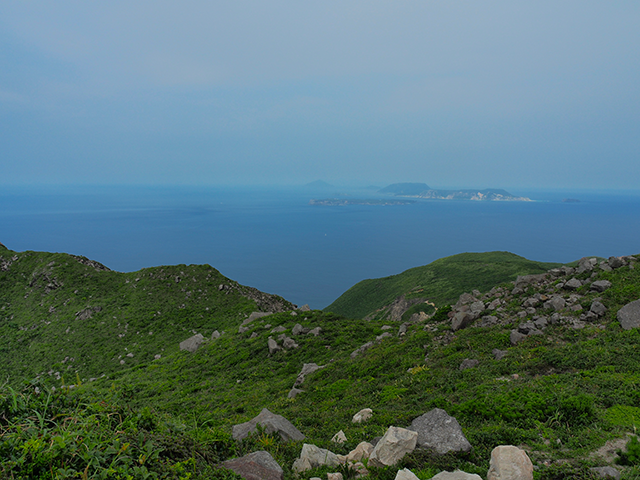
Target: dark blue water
(274,240)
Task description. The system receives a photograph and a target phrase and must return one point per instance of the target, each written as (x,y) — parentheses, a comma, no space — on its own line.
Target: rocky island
(422,190)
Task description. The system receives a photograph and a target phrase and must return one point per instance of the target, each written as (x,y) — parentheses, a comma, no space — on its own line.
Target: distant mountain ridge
(422,190)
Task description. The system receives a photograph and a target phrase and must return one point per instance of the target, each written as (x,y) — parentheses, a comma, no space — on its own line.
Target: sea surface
(272,239)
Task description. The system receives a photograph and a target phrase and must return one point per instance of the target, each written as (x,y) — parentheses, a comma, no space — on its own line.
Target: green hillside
(63,315)
(440,282)
(560,394)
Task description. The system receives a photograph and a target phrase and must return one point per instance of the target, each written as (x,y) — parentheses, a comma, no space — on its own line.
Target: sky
(491,94)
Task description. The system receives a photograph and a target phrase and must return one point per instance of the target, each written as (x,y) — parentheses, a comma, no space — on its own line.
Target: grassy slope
(441,281)
(575,390)
(142,313)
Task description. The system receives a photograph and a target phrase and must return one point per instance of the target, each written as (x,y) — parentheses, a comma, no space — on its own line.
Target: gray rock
(314,457)
(469,363)
(541,323)
(615,262)
(461,320)
(629,315)
(360,350)
(509,463)
(488,321)
(304,308)
(606,267)
(255,316)
(586,264)
(393,446)
(294,392)
(457,475)
(273,346)
(362,416)
(556,303)
(476,308)
(307,368)
(498,354)
(402,330)
(598,308)
(406,474)
(192,344)
(314,331)
(525,280)
(465,299)
(271,423)
(573,284)
(339,437)
(215,334)
(289,343)
(279,329)
(600,285)
(606,472)
(516,337)
(494,304)
(298,329)
(530,302)
(567,270)
(255,466)
(383,336)
(439,431)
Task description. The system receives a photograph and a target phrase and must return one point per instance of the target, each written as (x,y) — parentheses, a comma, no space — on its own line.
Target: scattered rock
(305,308)
(462,320)
(294,392)
(273,346)
(406,474)
(556,303)
(289,343)
(606,472)
(600,285)
(314,457)
(393,446)
(439,431)
(314,331)
(469,363)
(339,437)
(598,308)
(362,416)
(255,316)
(271,423)
(334,476)
(457,475)
(256,466)
(573,284)
(509,463)
(498,354)
(361,452)
(360,350)
(279,329)
(192,344)
(629,315)
(586,264)
(215,334)
(516,337)
(615,262)
(307,368)
(298,329)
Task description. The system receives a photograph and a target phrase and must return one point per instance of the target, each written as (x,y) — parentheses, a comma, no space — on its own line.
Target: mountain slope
(440,282)
(65,315)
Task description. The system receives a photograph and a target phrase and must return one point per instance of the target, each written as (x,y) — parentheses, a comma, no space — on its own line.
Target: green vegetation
(560,395)
(440,282)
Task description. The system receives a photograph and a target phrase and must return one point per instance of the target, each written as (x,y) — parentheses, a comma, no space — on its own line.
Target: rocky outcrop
(255,466)
(271,423)
(440,432)
(457,475)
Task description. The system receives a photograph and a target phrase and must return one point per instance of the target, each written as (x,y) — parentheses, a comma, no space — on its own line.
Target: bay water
(271,238)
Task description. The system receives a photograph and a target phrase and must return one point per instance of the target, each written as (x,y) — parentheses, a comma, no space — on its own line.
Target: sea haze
(274,240)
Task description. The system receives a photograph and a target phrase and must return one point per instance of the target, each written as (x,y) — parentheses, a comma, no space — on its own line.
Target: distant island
(570,200)
(332,202)
(422,190)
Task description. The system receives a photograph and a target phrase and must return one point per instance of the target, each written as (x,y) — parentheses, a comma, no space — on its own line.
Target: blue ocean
(274,240)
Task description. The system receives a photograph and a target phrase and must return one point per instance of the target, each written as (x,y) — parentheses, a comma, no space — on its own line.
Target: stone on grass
(439,431)
(215,334)
(192,344)
(462,320)
(362,451)
(297,329)
(305,308)
(457,475)
(255,316)
(509,463)
(255,466)
(615,262)
(271,423)
(498,354)
(629,315)
(334,476)
(556,303)
(573,284)
(516,337)
(294,392)
(314,331)
(469,363)
(307,368)
(314,457)
(606,472)
(362,416)
(406,474)
(339,437)
(600,285)
(273,346)
(393,446)
(289,343)
(598,308)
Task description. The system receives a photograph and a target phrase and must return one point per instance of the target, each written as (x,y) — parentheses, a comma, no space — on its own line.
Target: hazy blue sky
(451,93)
